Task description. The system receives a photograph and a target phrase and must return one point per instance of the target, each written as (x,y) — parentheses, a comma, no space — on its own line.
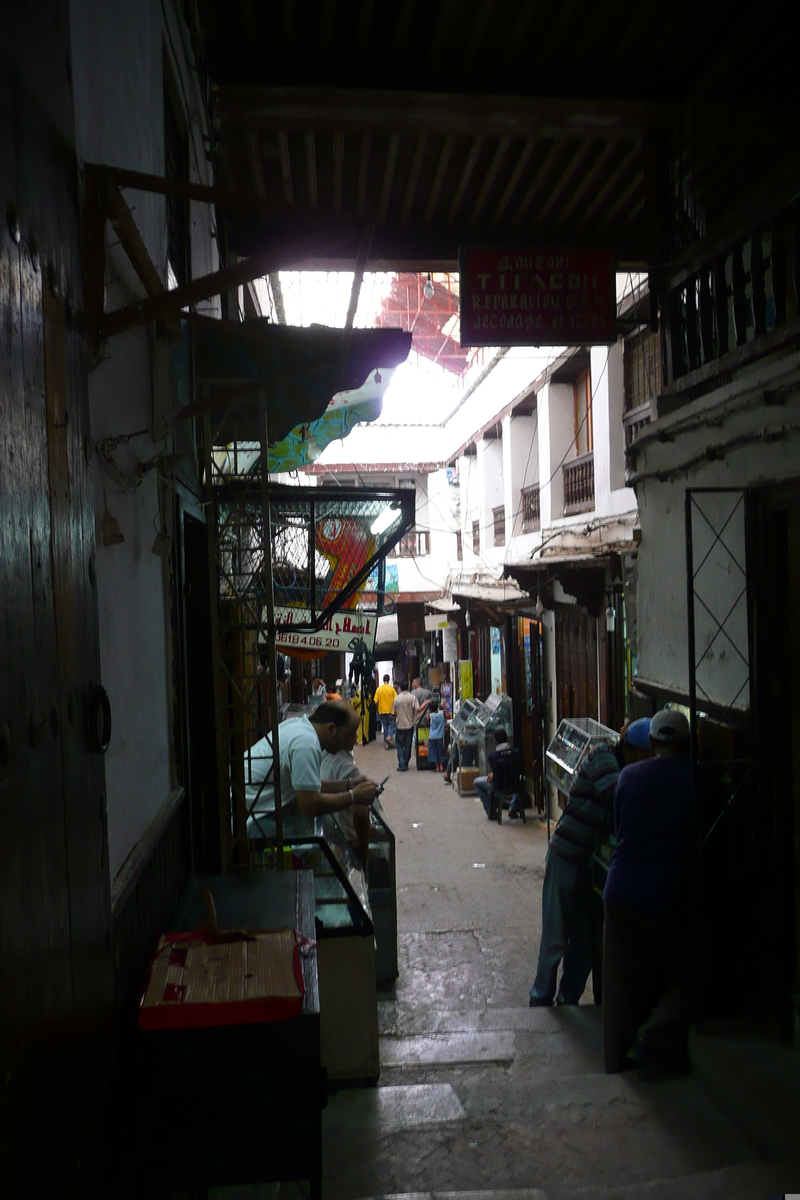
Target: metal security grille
(284,559)
(718,612)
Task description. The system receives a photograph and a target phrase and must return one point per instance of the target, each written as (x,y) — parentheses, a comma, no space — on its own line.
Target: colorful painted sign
(529,296)
(465,678)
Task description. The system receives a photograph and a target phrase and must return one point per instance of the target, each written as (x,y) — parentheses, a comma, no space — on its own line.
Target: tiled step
(753,1181)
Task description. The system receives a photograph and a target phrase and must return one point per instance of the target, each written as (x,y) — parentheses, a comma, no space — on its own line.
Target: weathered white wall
(490,485)
(608,402)
(661,594)
(520,470)
(556,442)
(118,68)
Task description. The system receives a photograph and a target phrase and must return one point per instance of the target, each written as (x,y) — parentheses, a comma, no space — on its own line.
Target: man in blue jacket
(567,891)
(647,899)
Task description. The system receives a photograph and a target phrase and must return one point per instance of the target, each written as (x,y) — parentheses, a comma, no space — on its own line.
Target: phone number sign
(536,297)
(341,633)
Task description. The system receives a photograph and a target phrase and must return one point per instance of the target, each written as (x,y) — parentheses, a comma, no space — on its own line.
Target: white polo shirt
(301,755)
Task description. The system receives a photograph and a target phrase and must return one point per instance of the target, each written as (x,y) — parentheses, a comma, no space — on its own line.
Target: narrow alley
(480,1093)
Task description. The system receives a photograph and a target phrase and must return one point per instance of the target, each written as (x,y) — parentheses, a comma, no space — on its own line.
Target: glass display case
(346,948)
(496,713)
(573,740)
(340,887)
(383,896)
(467,732)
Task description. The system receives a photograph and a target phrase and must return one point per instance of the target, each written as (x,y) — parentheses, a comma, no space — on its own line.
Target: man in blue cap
(567,891)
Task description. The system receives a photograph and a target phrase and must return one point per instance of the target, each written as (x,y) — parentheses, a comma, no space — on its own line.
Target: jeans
(566,931)
(403,741)
(388,726)
(484,790)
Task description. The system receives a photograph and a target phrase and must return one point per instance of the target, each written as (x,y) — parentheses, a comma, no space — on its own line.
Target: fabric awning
(300,369)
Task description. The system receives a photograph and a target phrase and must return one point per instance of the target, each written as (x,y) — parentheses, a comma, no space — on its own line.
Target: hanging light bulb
(538,607)
(427,291)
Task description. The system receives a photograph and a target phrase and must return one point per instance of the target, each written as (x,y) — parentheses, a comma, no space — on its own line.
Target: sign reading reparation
(536,297)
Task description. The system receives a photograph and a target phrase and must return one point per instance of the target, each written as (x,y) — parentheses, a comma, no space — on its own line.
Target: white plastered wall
(118,66)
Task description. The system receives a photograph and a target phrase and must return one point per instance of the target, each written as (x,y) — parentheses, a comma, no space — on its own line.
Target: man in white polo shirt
(303,792)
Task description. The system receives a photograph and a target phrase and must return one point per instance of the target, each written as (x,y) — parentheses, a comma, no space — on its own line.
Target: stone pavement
(480,1094)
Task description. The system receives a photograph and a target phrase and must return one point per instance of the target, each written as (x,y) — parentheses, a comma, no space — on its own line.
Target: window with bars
(642,369)
(642,380)
(476,537)
(499,525)
(414,544)
(459,546)
(531,518)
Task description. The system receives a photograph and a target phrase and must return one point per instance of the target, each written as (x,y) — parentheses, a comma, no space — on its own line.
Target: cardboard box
(465,779)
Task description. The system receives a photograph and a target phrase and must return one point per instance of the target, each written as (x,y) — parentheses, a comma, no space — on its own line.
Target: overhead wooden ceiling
(404,131)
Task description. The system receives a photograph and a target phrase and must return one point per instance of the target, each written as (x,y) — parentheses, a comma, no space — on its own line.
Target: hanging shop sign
(532,296)
(340,633)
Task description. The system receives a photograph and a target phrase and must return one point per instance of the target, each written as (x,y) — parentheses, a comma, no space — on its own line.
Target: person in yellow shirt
(385,697)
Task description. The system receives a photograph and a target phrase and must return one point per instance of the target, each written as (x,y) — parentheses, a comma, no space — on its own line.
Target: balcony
(531,514)
(634,422)
(578,478)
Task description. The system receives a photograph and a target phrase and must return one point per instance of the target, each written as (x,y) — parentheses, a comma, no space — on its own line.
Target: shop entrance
(775,581)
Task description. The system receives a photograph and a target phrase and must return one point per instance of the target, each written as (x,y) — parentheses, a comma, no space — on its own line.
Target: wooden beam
(166,304)
(610,183)
(255,163)
(330,109)
(636,183)
(489,178)
(224,197)
(413,177)
(311,168)
(566,176)
(511,186)
(438,179)
(363,174)
(586,183)
(538,181)
(466,175)
(338,170)
(286,166)
(388,176)
(358,278)
(125,227)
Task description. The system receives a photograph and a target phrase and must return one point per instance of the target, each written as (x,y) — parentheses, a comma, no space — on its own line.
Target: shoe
(513,814)
(535,1002)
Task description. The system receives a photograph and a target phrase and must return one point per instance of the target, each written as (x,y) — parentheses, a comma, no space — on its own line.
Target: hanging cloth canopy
(300,370)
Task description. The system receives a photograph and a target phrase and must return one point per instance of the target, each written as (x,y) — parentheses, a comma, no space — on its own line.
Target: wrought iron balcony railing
(578,478)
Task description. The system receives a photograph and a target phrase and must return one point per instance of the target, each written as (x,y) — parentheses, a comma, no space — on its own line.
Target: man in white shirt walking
(405,709)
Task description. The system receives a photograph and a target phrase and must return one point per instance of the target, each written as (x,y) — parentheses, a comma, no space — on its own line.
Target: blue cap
(638,734)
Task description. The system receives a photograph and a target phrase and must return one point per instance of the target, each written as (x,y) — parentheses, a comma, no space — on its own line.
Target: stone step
(397,1020)
(448,1049)
(752,1181)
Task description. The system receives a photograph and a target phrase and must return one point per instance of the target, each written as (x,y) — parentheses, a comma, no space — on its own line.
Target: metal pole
(224,796)
(690,628)
(271,653)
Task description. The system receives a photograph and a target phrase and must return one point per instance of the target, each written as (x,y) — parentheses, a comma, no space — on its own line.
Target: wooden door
(56,997)
(576,662)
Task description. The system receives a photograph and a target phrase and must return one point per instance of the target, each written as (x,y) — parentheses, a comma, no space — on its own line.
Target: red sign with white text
(530,296)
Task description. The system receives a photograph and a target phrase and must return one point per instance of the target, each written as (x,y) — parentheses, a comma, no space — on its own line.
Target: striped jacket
(589,815)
